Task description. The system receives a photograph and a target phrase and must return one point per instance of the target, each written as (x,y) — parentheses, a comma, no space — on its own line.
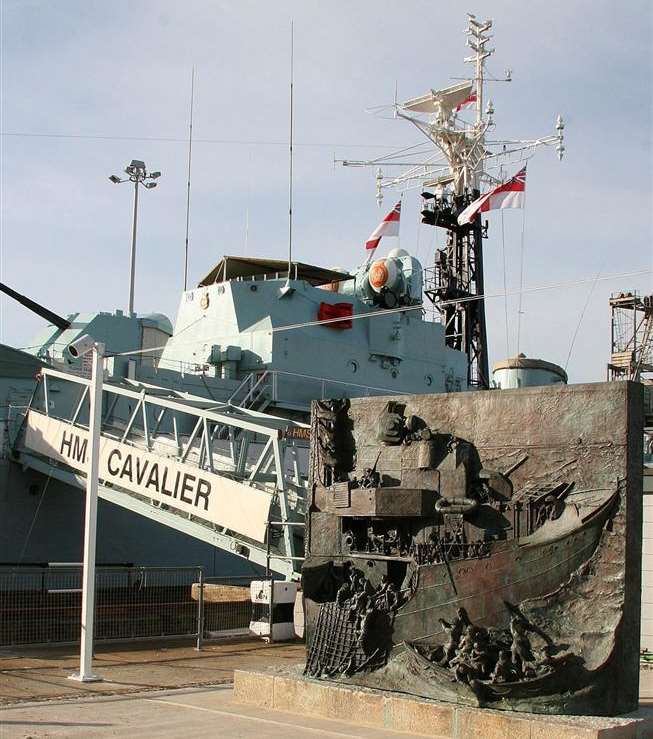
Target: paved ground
(646,686)
(197,712)
(146,693)
(40,674)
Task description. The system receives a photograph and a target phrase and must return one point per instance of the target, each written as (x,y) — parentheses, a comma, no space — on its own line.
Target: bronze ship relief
(458,567)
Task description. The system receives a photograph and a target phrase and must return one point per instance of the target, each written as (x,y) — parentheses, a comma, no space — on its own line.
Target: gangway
(222,473)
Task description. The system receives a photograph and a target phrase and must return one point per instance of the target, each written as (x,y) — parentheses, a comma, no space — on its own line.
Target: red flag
(467,101)
(389,226)
(511,194)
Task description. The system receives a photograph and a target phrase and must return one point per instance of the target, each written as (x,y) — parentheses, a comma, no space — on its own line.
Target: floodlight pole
(85,674)
(137,173)
(132,274)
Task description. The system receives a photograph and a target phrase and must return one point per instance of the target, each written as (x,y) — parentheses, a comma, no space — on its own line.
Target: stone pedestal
(287,690)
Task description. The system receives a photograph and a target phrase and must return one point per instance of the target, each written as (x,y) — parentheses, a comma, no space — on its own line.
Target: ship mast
(457,281)
(464,161)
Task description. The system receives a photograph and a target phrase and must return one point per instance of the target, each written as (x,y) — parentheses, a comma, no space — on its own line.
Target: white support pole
(85,674)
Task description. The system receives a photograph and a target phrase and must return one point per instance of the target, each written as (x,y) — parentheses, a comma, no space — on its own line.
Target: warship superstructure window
(353,365)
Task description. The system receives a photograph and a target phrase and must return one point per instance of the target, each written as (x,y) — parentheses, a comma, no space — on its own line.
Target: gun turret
(48,315)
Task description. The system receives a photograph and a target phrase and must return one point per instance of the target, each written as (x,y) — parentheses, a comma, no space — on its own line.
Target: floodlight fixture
(155,175)
(116,180)
(150,185)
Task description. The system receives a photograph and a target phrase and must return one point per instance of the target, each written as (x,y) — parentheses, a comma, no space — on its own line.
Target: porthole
(353,365)
(428,380)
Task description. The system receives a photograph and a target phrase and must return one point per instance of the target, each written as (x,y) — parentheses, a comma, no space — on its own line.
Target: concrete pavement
(42,674)
(198,712)
(144,695)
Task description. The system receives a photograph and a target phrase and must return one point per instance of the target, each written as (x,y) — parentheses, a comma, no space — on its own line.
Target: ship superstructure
(215,410)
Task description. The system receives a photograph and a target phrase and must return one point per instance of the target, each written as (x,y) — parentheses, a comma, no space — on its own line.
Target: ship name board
(190,489)
(297,432)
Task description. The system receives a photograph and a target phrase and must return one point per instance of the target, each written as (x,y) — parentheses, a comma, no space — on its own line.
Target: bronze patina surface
(482,548)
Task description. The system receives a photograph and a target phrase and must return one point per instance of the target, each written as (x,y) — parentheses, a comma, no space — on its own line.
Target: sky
(87,86)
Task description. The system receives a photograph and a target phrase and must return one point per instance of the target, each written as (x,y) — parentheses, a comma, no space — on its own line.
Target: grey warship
(228,389)
(231,351)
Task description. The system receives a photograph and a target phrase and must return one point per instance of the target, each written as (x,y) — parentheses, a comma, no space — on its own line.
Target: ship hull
(482,586)
(42,520)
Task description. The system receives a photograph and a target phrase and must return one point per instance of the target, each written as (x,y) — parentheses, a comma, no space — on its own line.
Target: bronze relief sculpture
(481,548)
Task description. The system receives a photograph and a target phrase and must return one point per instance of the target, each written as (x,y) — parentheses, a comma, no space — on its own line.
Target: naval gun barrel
(35,307)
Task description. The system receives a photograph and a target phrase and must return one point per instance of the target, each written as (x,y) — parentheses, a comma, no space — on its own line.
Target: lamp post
(137,173)
(77,349)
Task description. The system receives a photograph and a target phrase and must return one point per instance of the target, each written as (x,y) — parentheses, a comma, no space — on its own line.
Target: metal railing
(42,605)
(258,389)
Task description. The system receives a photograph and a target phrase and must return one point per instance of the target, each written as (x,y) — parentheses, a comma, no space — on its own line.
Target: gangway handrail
(253,389)
(242,457)
(266,424)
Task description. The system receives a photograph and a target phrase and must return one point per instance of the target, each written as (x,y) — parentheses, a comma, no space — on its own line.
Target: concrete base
(287,690)
(85,678)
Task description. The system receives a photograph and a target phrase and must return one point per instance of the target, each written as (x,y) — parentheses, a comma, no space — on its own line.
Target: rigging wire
(408,308)
(521,274)
(175,140)
(386,312)
(31,527)
(582,315)
(505,283)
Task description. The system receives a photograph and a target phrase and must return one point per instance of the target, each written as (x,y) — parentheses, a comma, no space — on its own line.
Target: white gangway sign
(208,496)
